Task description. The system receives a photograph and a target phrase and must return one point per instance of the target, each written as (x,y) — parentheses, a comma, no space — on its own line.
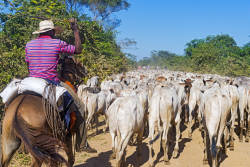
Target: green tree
(217,54)
(101,55)
(191,45)
(104,8)
(214,54)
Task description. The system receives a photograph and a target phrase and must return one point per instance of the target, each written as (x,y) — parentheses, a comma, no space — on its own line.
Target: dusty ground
(191,154)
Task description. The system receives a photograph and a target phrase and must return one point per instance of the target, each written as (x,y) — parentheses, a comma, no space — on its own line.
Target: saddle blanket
(37,85)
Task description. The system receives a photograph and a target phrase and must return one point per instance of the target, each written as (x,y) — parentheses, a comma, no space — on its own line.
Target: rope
(54,120)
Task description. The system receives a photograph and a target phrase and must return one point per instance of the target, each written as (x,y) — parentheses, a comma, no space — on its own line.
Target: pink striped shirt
(42,54)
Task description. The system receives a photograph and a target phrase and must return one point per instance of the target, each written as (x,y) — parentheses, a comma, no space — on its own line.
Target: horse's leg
(81,131)
(9,141)
(10,144)
(69,151)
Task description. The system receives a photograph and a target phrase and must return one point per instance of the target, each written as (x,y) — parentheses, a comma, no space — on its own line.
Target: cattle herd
(148,103)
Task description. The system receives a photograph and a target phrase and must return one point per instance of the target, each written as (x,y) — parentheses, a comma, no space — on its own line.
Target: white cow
(90,100)
(233,94)
(105,99)
(125,117)
(215,107)
(244,94)
(93,82)
(193,103)
(115,86)
(163,110)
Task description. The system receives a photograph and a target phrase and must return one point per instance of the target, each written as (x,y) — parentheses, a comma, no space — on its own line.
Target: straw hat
(45,26)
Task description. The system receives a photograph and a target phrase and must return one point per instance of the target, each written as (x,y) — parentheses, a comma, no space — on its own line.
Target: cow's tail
(213,146)
(158,124)
(42,146)
(215,137)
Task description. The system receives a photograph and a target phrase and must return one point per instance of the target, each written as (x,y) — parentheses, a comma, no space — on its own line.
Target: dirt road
(191,154)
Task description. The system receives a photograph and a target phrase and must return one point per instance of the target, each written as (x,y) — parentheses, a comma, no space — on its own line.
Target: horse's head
(71,70)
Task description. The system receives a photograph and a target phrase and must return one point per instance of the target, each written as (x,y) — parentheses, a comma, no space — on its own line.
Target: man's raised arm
(75,29)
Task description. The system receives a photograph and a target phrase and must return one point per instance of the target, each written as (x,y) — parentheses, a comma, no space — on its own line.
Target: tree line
(214,54)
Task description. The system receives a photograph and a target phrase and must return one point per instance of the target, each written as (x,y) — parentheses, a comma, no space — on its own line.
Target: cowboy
(42,56)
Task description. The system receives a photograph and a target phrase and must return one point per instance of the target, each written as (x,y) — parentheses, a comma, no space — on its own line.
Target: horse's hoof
(231,148)
(247,140)
(167,162)
(241,139)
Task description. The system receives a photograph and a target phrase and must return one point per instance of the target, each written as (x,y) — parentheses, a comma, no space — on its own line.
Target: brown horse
(25,121)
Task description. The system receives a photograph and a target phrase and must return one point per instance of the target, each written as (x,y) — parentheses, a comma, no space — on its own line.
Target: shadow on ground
(135,161)
(102,160)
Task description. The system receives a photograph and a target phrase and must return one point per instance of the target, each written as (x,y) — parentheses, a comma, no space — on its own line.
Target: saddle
(40,87)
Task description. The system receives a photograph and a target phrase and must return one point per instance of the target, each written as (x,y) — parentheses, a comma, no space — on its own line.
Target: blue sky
(170,24)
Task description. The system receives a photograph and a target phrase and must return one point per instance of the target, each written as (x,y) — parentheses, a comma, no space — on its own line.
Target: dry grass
(21,160)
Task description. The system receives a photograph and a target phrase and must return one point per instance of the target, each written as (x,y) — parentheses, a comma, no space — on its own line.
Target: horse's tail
(42,146)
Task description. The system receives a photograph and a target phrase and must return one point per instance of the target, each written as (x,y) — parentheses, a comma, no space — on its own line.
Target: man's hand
(73,24)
